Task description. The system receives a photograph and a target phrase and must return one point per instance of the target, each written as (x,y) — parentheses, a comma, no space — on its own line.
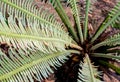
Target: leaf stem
(76,46)
(109,56)
(23,36)
(86,19)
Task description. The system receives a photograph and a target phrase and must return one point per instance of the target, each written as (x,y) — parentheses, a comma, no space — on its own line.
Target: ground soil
(100,9)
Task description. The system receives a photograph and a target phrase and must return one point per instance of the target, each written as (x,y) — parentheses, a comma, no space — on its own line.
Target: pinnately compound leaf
(88,73)
(36,42)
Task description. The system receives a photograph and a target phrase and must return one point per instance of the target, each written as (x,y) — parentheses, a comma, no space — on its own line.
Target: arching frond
(32,36)
(28,10)
(109,65)
(114,56)
(88,73)
(112,41)
(111,19)
(21,67)
(112,13)
(24,23)
(76,14)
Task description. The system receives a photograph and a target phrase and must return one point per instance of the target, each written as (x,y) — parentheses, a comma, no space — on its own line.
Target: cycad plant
(37,43)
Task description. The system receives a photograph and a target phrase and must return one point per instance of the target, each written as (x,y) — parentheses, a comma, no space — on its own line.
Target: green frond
(21,67)
(34,36)
(36,22)
(88,73)
(28,11)
(112,41)
(86,19)
(113,56)
(111,19)
(109,65)
(59,9)
(112,13)
(76,14)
